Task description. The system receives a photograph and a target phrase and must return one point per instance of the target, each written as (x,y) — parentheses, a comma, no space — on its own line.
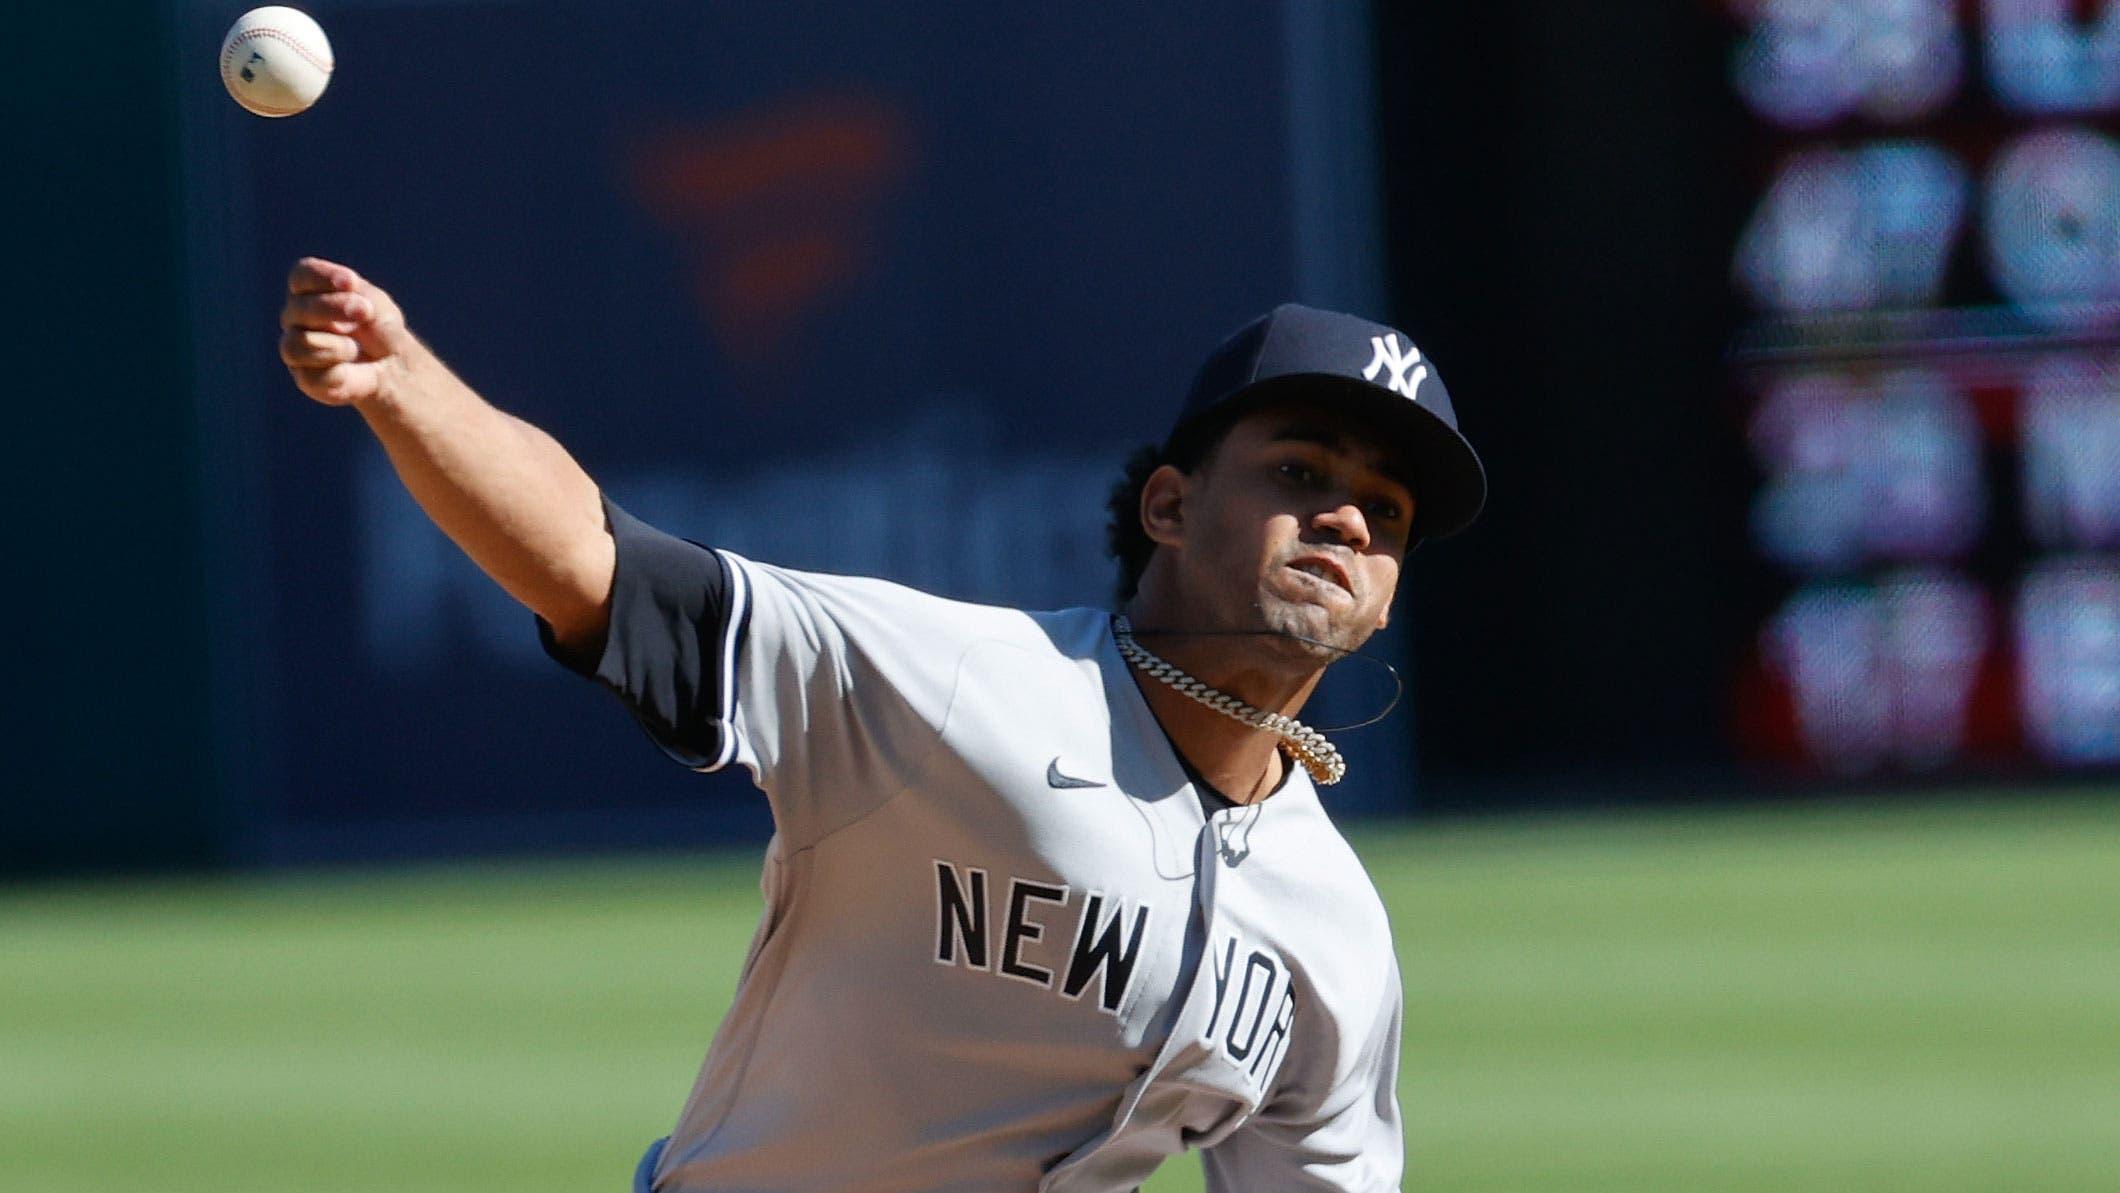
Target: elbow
(578,631)
(578,606)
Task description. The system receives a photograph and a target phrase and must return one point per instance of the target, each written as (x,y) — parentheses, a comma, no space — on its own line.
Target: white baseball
(275,61)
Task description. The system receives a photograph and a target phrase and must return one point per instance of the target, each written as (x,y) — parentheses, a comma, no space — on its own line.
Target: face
(1296,525)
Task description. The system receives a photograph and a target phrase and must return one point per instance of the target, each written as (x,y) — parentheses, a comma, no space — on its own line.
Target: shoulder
(893,626)
(881,605)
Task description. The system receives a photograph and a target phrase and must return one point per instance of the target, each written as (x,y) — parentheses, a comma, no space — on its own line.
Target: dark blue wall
(108,743)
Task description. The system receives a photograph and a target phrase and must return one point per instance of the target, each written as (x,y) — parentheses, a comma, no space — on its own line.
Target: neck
(1254,665)
(1243,763)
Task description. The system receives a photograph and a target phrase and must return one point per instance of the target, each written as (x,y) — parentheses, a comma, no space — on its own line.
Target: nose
(1346,523)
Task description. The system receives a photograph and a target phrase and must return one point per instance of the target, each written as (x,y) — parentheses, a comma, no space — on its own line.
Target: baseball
(275,61)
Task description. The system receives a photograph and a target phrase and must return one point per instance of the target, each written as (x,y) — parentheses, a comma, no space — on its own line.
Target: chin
(1306,630)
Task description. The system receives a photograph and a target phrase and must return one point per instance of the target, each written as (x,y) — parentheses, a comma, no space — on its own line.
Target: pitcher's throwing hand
(342,337)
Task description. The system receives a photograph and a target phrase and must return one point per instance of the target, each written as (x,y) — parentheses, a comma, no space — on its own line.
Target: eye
(1300,473)
(1385,510)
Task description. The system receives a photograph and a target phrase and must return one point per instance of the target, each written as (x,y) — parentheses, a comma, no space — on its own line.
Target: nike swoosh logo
(1054,777)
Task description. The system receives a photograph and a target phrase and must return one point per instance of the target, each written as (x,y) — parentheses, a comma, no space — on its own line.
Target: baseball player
(1050,896)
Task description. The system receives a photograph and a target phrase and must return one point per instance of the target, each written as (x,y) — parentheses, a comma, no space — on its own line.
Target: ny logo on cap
(1405,377)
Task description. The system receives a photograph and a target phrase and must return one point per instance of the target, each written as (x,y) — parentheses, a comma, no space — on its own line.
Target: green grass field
(1900,999)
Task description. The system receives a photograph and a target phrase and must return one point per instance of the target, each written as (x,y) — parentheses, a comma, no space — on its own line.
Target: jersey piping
(731,634)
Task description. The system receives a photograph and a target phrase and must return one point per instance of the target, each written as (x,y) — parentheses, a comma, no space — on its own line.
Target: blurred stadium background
(1748,824)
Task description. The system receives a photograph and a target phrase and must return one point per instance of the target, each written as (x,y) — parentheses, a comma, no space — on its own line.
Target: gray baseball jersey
(1006,942)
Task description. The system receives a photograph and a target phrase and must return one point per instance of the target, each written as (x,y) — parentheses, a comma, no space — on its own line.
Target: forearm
(504,491)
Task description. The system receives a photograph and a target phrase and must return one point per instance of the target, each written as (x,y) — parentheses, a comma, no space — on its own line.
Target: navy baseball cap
(1299,352)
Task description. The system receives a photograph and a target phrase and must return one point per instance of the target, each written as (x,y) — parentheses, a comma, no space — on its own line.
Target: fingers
(338,310)
(301,349)
(335,327)
(314,275)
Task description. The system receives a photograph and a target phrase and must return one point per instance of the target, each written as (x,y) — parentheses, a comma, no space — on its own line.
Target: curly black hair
(1124,536)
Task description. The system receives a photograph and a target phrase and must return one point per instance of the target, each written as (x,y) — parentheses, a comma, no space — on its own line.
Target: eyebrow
(1310,433)
(1391,467)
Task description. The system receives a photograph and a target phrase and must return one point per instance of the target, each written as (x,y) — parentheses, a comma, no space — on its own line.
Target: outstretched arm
(504,491)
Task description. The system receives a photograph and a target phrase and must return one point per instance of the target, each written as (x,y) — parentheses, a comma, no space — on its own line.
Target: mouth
(1323,570)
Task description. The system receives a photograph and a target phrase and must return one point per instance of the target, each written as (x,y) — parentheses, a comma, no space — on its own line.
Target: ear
(1163,506)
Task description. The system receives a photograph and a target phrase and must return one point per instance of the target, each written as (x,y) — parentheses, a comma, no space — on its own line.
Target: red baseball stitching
(285,38)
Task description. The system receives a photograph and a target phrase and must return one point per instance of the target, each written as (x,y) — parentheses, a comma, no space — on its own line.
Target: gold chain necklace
(1300,742)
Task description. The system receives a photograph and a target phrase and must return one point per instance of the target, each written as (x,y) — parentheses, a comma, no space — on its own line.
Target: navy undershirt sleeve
(663,653)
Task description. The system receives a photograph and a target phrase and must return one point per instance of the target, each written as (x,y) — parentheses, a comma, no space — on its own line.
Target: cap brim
(1449,482)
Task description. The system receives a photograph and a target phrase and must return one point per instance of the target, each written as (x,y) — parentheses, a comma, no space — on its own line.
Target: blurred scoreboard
(1926,369)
